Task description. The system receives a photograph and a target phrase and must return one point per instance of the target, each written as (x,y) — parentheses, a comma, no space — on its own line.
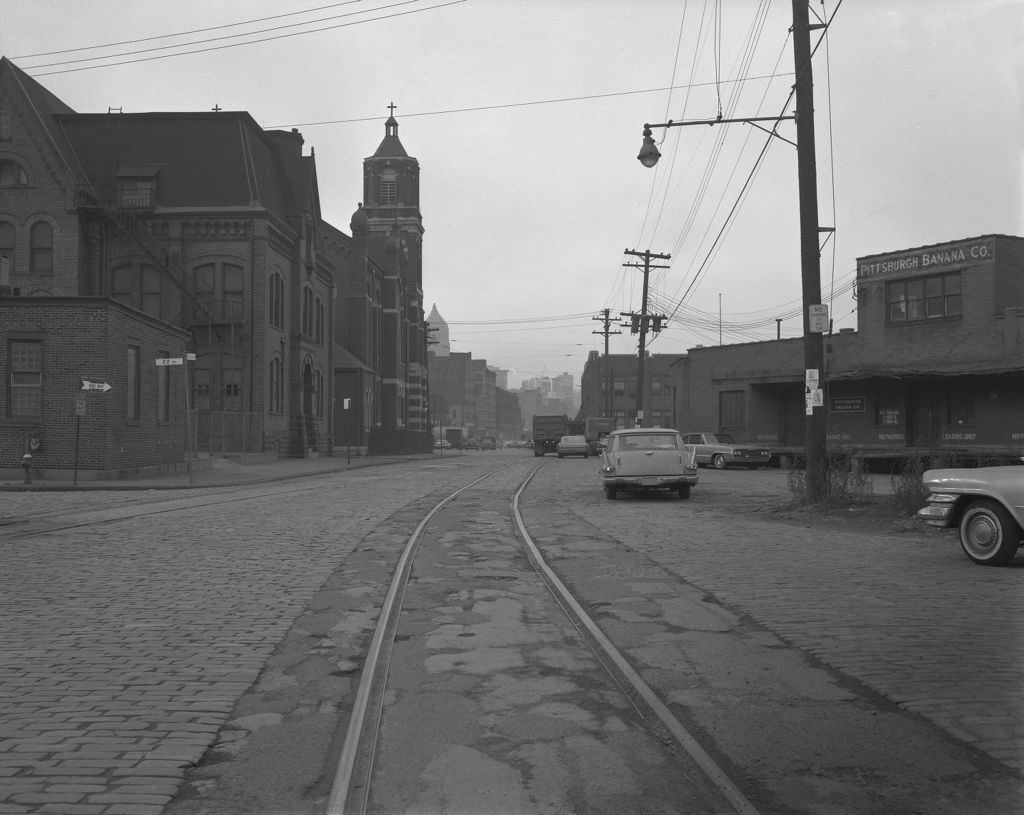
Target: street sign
(79,407)
(811,377)
(169,361)
(95,386)
(818,319)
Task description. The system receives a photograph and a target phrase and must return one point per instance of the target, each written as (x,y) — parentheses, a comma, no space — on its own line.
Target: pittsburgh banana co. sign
(928,258)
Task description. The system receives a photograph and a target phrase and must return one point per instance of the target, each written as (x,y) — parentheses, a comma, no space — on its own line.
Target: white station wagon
(647,458)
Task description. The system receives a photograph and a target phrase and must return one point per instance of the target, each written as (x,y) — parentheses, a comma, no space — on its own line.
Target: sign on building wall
(927,258)
(846,404)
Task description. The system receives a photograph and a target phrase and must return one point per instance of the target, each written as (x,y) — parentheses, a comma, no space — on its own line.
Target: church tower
(390,214)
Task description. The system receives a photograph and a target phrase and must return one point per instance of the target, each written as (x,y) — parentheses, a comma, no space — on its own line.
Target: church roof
(391,147)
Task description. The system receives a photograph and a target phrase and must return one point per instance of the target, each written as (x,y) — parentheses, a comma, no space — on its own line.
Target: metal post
(188,422)
(78,429)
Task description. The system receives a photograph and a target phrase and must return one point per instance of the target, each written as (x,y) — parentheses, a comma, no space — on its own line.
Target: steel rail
(740,803)
(341,799)
(350,796)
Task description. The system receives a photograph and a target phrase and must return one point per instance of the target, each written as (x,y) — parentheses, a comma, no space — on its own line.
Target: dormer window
(12,174)
(136,187)
(136,193)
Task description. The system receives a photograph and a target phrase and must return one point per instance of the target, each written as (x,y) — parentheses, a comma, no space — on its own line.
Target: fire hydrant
(26,463)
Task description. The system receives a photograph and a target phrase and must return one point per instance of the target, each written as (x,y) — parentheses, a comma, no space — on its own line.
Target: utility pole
(643,322)
(607,332)
(810,261)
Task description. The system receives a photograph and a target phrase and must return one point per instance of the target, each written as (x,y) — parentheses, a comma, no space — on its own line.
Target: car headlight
(941,498)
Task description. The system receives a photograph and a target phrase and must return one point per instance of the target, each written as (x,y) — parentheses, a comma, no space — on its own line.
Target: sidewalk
(217,472)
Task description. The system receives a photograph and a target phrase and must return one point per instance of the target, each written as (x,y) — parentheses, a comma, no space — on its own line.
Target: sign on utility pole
(817,318)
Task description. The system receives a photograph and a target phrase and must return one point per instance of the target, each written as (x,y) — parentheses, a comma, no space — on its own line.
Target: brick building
(609,383)
(82,390)
(207,224)
(937,363)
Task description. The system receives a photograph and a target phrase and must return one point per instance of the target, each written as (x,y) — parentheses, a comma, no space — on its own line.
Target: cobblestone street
(124,648)
(905,612)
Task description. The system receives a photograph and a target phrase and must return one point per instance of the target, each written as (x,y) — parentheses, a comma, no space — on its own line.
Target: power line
(191,31)
(249,42)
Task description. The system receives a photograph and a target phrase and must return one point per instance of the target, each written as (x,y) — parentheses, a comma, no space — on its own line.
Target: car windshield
(721,438)
(648,441)
(573,440)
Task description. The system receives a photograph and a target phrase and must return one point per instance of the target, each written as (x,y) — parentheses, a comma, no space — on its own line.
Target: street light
(648,154)
(810,269)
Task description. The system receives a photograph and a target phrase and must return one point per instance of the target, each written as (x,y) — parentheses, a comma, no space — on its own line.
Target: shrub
(845,481)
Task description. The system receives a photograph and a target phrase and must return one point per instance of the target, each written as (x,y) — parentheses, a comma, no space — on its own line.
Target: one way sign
(95,386)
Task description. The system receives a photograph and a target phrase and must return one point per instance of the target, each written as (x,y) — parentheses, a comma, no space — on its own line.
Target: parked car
(985,503)
(719,450)
(647,459)
(488,443)
(572,446)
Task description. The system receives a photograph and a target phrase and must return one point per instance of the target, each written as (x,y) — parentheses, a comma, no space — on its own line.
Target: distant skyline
(526,117)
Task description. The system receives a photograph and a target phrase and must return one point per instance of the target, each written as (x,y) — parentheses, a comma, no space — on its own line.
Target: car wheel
(611,493)
(683,490)
(718,461)
(988,534)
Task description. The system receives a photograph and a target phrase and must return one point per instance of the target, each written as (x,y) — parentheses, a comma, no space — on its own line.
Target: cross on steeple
(392,107)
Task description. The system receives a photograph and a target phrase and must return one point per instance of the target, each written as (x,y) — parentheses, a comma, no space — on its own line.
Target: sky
(526,117)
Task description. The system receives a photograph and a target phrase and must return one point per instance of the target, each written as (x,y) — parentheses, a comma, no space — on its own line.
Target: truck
(596,428)
(547,430)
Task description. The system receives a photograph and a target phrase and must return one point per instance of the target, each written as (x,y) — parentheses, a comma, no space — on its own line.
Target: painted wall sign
(933,257)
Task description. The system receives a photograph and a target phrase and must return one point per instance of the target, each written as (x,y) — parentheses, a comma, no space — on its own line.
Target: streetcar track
(351,786)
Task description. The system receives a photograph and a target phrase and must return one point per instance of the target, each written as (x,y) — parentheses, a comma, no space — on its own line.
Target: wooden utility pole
(810,262)
(607,332)
(646,266)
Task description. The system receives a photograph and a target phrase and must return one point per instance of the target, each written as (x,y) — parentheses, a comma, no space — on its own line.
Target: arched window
(41,248)
(318,329)
(276,389)
(7,246)
(12,174)
(275,300)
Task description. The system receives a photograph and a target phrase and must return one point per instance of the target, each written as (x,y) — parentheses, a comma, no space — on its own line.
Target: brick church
(169,291)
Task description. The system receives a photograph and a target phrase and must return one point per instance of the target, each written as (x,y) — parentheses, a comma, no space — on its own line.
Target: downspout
(330,367)
(252,322)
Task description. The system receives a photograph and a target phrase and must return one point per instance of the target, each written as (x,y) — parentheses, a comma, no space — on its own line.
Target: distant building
(609,387)
(439,340)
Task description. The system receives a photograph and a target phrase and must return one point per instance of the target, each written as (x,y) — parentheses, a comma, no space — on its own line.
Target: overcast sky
(526,117)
